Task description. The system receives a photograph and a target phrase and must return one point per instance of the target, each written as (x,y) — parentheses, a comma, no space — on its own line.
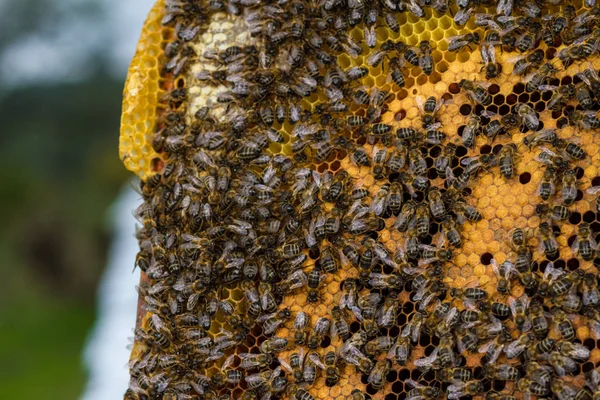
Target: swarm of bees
(298,234)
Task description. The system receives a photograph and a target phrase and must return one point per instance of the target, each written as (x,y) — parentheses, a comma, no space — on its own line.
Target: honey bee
(491,66)
(504,272)
(271,322)
(519,309)
(420,391)
(339,326)
(436,205)
(528,116)
(503,372)
(400,351)
(571,149)
(542,136)
(585,119)
(318,333)
(422,219)
(524,64)
(295,366)
(547,187)
(377,377)
(590,295)
(548,243)
(539,77)
(450,232)
(460,389)
(396,74)
(457,43)
(300,328)
(273,345)
(476,92)
(254,361)
(429,108)
(529,386)
(506,160)
(425,59)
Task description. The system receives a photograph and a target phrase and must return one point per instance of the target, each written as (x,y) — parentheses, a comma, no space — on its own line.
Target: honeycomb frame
(505,204)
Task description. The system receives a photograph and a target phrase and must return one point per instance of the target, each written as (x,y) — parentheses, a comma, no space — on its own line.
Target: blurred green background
(62,69)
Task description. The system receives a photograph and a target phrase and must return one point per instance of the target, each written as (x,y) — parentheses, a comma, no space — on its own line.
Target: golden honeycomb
(504,204)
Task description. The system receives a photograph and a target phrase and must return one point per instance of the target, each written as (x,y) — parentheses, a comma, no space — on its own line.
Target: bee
(429,108)
(462,15)
(590,295)
(460,389)
(318,332)
(422,219)
(271,322)
(273,345)
(379,157)
(315,277)
(492,68)
(585,119)
(357,394)
(465,211)
(594,190)
(506,160)
(472,293)
(377,377)
(502,126)
(384,281)
(536,79)
(457,43)
(332,371)
(547,188)
(590,77)
(312,364)
(515,348)
(425,59)
(528,116)
(502,372)
(476,92)
(300,328)
(538,319)
(255,361)
(573,350)
(526,385)
(584,96)
(563,324)
(455,374)
(406,215)
(295,366)
(570,148)
(339,327)
(450,232)
(413,328)
(389,311)
(400,351)
(396,74)
(563,390)
(543,136)
(352,355)
(504,272)
(493,395)
(548,243)
(518,308)
(436,205)
(420,391)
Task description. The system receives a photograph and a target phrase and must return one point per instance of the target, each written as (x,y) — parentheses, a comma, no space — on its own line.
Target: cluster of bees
(227,214)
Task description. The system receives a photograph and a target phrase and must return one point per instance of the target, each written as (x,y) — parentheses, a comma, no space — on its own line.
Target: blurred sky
(62,45)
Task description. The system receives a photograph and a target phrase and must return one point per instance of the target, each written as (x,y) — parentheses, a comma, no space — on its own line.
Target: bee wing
(375,57)
(455,37)
(593,190)
(301,320)
(265,317)
(420,104)
(314,357)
